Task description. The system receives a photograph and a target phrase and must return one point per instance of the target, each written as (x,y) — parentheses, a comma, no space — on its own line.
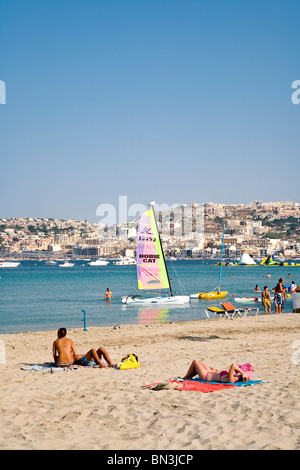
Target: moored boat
(125,261)
(210,295)
(8,264)
(98,262)
(66,264)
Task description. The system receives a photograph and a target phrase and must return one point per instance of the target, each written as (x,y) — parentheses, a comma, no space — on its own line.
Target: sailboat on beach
(214,294)
(151,266)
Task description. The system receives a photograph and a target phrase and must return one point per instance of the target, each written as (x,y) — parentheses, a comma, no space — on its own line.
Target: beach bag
(248,369)
(128,362)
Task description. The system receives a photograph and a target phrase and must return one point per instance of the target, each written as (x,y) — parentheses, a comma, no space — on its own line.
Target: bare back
(64,350)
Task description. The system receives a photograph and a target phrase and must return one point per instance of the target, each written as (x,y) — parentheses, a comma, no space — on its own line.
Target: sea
(36,297)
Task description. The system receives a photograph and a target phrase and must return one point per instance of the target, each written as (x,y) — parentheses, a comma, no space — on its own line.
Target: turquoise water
(35,297)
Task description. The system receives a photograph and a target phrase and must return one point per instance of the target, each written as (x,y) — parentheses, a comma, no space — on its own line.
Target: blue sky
(172,101)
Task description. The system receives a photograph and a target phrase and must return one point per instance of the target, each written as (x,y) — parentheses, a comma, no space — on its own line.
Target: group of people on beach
(280,293)
(65,355)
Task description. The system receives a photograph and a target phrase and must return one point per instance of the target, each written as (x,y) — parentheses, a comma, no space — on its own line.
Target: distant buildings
(188,230)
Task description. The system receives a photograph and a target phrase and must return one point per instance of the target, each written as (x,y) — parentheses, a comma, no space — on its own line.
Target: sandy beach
(108,409)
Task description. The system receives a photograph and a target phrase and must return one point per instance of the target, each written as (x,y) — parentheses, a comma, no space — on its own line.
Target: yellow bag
(128,362)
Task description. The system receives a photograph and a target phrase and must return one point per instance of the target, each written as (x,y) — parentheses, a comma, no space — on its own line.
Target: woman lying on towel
(209,374)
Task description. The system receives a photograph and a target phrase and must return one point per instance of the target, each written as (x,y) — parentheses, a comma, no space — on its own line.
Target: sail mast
(152,204)
(221,259)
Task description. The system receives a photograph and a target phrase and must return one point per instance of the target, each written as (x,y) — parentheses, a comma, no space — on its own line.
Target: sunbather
(93,357)
(210,374)
(65,355)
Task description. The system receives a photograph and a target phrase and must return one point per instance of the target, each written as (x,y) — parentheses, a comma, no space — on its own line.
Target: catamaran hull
(176,299)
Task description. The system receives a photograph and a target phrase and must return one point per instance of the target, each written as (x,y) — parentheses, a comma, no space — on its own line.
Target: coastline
(109,409)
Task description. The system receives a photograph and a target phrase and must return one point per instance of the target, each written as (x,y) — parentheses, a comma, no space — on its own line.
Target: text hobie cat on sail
(152,271)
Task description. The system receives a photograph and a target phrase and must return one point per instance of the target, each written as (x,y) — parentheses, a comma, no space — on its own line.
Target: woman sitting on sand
(209,374)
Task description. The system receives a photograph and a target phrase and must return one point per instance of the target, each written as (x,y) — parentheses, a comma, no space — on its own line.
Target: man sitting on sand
(266,299)
(65,355)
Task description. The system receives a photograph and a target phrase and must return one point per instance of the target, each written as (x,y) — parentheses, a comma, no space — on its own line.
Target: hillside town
(187,231)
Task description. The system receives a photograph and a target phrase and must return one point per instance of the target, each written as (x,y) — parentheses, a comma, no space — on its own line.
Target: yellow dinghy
(209,295)
(213,295)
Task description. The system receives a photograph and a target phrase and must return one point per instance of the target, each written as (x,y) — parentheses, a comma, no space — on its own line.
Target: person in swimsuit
(93,357)
(280,296)
(65,355)
(266,299)
(64,351)
(210,374)
(108,295)
(293,288)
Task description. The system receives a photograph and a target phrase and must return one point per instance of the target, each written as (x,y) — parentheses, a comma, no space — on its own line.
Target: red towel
(194,385)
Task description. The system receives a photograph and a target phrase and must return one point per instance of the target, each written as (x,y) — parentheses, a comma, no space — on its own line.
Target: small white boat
(125,261)
(8,264)
(98,262)
(50,263)
(244,300)
(66,264)
(170,300)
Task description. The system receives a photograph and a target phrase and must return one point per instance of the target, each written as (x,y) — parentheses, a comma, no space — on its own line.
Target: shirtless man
(280,296)
(108,295)
(65,355)
(266,299)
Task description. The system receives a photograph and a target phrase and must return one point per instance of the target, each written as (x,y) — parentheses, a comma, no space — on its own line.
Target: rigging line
(178,279)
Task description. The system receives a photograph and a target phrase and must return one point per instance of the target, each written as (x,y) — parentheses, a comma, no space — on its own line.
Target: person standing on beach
(108,295)
(280,296)
(266,299)
(293,287)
